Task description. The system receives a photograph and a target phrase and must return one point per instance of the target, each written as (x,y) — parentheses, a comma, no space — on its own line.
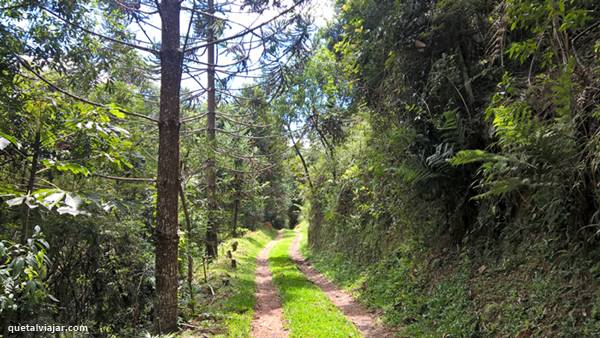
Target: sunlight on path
(367,322)
(306,308)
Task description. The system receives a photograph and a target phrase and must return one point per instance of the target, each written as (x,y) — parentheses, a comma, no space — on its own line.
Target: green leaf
(116,111)
(3,143)
(73,201)
(73,168)
(18,265)
(52,200)
(67,210)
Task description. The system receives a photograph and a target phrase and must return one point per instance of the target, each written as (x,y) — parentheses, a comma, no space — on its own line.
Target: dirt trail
(268,314)
(366,322)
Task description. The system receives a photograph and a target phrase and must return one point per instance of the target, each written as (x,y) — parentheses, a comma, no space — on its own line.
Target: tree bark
(212,235)
(31,185)
(167,239)
(237,198)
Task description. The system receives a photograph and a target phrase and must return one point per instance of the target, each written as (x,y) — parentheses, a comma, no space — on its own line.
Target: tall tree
(167,238)
(212,234)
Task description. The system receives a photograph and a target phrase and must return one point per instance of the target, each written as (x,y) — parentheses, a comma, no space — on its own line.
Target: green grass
(229,313)
(307,310)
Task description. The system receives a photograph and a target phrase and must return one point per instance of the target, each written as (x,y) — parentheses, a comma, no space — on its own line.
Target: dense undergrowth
(458,190)
(493,295)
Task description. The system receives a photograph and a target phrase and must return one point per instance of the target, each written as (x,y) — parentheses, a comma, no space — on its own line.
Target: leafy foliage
(23,275)
(471,129)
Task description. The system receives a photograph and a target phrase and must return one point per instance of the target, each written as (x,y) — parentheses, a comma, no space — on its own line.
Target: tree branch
(130,179)
(76,97)
(132,45)
(245,31)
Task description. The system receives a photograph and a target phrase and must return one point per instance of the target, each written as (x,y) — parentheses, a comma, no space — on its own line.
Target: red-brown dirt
(268,314)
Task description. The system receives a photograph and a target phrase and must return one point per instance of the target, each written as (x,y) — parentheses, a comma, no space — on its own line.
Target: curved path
(366,322)
(268,313)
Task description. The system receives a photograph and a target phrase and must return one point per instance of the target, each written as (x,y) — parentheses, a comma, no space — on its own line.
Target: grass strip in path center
(307,310)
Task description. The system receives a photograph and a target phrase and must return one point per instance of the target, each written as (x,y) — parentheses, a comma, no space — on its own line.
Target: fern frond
(497,35)
(438,161)
(501,187)
(414,175)
(452,131)
(514,124)
(474,155)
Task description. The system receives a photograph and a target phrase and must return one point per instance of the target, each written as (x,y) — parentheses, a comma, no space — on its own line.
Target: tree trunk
(167,240)
(188,245)
(238,195)
(31,185)
(212,235)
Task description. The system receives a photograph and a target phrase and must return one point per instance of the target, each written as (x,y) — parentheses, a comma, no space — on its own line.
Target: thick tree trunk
(167,240)
(212,234)
(31,185)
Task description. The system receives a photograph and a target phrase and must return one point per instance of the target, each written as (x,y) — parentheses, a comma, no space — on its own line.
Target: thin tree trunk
(31,185)
(212,235)
(299,153)
(190,259)
(466,77)
(236,201)
(236,207)
(167,240)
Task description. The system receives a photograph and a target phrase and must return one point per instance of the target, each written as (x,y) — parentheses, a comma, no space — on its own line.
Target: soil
(268,313)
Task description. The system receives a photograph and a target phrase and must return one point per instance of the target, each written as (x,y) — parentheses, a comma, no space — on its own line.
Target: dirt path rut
(268,313)
(366,322)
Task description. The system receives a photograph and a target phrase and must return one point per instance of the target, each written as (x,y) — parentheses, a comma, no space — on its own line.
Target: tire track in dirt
(268,313)
(366,321)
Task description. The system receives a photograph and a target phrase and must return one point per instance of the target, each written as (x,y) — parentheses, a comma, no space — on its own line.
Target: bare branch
(245,31)
(192,118)
(130,179)
(145,49)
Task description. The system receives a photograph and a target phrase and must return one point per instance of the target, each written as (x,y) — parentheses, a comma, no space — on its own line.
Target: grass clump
(307,310)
